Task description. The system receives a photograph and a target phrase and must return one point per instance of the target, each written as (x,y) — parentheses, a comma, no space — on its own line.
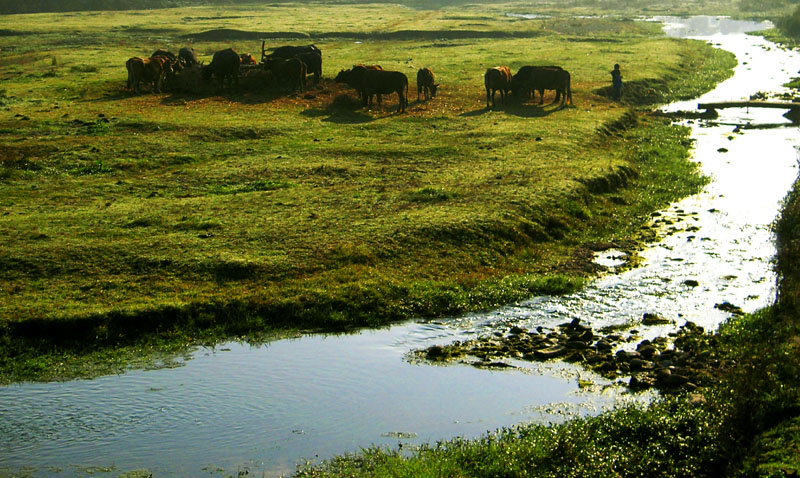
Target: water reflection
(266,408)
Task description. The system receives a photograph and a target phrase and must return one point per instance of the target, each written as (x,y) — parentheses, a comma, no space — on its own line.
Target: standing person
(616,82)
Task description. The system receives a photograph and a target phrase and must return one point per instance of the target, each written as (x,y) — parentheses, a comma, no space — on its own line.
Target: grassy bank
(141,223)
(745,425)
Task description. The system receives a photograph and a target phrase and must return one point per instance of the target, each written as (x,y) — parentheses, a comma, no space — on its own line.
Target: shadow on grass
(338,116)
(520,110)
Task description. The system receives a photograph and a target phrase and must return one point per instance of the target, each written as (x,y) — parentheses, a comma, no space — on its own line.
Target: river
(265,408)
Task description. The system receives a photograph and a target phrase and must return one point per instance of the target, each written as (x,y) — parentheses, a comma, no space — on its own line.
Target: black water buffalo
(224,64)
(287,52)
(425,83)
(497,78)
(313,61)
(354,78)
(187,56)
(289,72)
(530,79)
(165,53)
(378,82)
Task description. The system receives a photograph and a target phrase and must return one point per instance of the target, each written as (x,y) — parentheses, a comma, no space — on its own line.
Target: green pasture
(207,216)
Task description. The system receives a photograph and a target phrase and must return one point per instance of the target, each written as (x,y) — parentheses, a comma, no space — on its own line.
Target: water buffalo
(290,72)
(497,78)
(377,82)
(287,52)
(354,78)
(425,84)
(224,64)
(187,56)
(530,79)
(165,53)
(313,61)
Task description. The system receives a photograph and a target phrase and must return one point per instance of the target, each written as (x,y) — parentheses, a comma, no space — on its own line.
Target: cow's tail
(569,88)
(405,96)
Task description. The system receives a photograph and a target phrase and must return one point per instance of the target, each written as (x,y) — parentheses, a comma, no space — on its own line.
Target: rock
(603,345)
(551,352)
(654,319)
(728,307)
(672,380)
(576,345)
(627,356)
(516,330)
(696,399)
(639,364)
(641,382)
(593,359)
(648,351)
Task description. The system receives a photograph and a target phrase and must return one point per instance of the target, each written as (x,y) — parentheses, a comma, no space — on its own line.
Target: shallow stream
(265,408)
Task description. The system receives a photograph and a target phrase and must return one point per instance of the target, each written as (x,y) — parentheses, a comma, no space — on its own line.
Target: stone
(551,352)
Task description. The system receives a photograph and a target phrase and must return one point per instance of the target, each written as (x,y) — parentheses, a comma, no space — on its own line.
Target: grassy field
(175,218)
(746,425)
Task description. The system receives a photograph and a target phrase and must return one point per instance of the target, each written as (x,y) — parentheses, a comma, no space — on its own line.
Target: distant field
(121,213)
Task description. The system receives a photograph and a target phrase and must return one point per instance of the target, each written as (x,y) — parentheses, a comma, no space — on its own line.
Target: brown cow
(291,72)
(149,70)
(425,83)
(354,78)
(247,59)
(497,78)
(378,82)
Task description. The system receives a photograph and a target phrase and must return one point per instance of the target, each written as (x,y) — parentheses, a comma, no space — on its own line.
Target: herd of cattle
(289,67)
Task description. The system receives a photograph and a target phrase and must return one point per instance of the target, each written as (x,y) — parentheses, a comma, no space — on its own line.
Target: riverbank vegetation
(135,223)
(747,424)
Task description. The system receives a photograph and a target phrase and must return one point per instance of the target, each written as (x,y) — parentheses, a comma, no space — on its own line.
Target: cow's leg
(160,83)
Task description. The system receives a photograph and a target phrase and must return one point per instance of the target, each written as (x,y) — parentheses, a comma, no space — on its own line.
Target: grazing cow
(497,78)
(224,64)
(354,78)
(149,70)
(247,59)
(287,52)
(187,56)
(313,61)
(174,64)
(165,53)
(425,83)
(378,82)
(291,72)
(530,79)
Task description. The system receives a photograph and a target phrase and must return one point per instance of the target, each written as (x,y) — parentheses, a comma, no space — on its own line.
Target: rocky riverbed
(682,361)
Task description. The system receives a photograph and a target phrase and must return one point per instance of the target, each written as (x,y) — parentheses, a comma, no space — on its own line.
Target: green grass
(746,425)
(144,218)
